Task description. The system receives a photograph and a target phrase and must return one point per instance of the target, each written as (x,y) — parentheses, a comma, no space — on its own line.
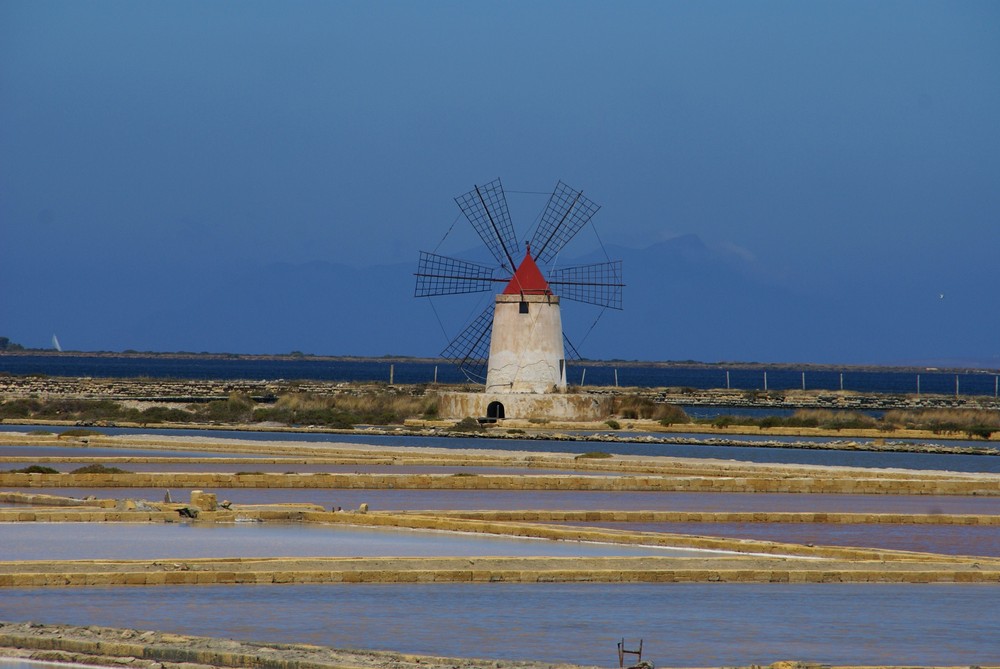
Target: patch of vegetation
(595,455)
(467,424)
(613,424)
(237,408)
(160,414)
(981,431)
(515,430)
(640,407)
(249,473)
(669,414)
(98,469)
(35,469)
(79,432)
(373,407)
(19,408)
(40,433)
(7,345)
(980,423)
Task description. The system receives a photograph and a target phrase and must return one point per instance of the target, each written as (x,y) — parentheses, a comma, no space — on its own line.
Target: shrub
(21,408)
(981,431)
(164,415)
(613,424)
(35,469)
(668,414)
(98,469)
(723,421)
(238,408)
(77,432)
(467,424)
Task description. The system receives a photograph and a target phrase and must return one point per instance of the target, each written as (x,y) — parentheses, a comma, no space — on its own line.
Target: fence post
(392,372)
(727,379)
(765,382)
(841,382)
(803,380)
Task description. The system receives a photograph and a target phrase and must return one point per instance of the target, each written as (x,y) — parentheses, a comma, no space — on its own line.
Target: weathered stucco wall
(526,346)
(548,406)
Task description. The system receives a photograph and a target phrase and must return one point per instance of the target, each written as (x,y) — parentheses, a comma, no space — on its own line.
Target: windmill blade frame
(470,350)
(566,212)
(486,209)
(443,275)
(598,283)
(571,352)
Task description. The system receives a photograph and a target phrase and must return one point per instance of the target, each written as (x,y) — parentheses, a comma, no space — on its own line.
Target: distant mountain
(684,300)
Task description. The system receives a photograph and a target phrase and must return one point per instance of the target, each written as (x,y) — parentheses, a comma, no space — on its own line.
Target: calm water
(778,455)
(944,539)
(681,624)
(886,380)
(150,541)
(471,500)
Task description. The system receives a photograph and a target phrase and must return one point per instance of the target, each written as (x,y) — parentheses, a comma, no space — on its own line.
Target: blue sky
(840,159)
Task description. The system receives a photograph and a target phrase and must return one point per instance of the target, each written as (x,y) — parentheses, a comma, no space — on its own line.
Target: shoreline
(944,367)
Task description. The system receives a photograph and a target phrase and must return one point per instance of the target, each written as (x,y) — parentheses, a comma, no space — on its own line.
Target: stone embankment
(761,484)
(104,646)
(197,390)
(287,571)
(138,649)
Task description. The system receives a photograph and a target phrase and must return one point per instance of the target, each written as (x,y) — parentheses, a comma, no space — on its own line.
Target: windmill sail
(599,284)
(566,212)
(486,208)
(470,350)
(441,275)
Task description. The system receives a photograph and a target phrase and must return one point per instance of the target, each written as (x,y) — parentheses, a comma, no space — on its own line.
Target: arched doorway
(495,410)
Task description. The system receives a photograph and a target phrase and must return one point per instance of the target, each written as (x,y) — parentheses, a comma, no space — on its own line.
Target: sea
(587,373)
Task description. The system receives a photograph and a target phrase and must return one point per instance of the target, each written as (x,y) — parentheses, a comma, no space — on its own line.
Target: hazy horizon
(784,181)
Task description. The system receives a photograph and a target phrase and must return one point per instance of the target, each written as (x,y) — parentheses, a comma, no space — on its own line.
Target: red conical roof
(528,279)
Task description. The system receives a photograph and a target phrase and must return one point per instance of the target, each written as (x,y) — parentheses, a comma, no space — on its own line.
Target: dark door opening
(495,410)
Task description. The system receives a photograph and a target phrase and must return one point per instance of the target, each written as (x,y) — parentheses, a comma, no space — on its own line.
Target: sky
(785,181)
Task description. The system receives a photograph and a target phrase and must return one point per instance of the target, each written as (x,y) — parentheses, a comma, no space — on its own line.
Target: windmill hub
(517,346)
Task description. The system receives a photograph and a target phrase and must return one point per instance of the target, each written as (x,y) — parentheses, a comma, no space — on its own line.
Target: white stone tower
(526,344)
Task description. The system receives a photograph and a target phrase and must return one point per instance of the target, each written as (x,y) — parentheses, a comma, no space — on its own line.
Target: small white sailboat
(55,344)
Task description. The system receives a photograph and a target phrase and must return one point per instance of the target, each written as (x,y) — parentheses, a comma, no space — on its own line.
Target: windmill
(516,345)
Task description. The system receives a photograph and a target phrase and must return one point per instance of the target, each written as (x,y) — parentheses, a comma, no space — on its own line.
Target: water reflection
(681,624)
(136,541)
(982,540)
